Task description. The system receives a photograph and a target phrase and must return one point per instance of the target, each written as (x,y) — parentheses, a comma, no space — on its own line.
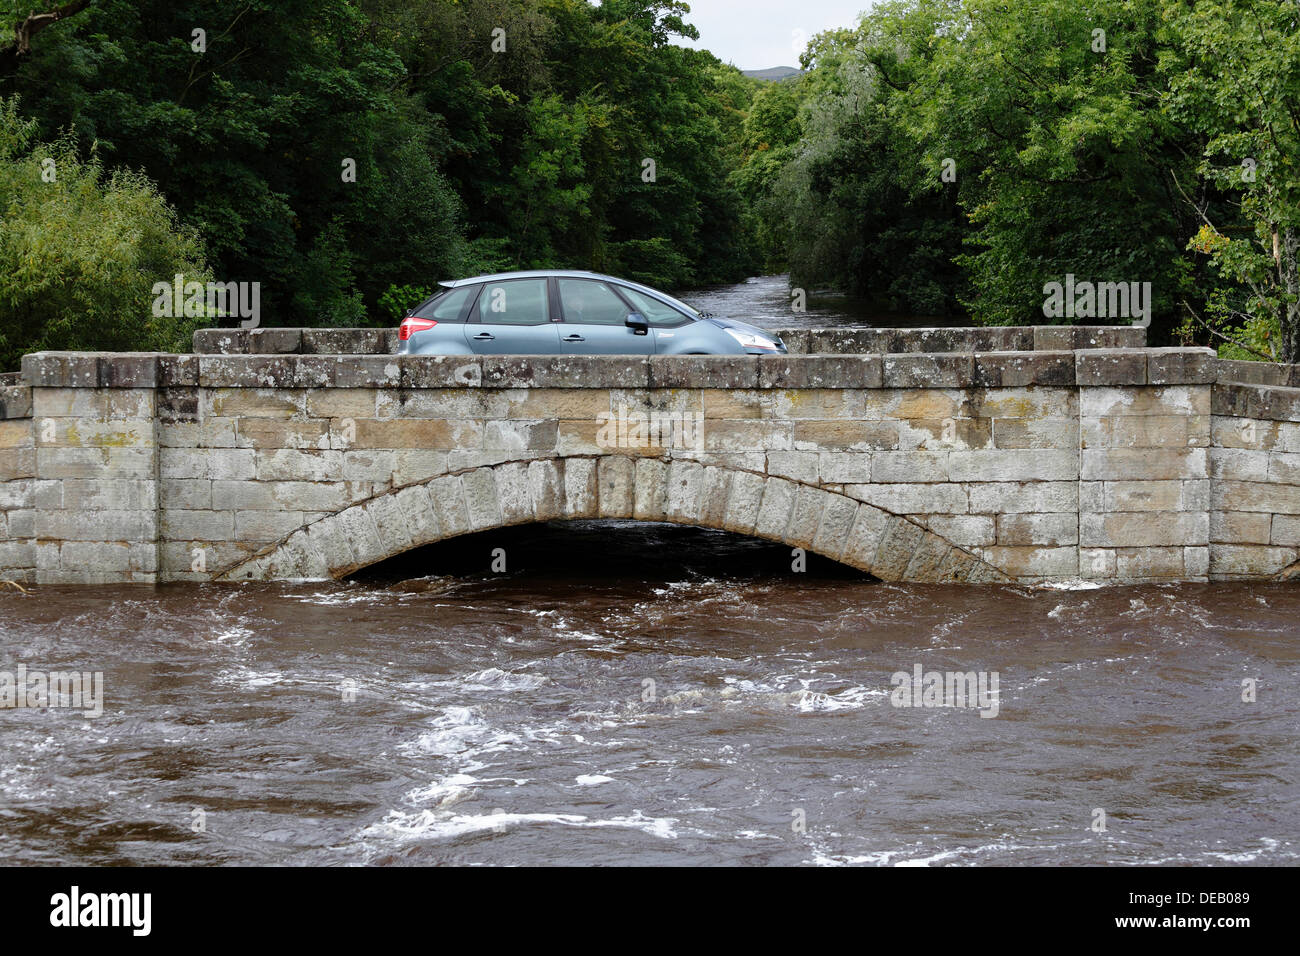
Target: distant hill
(774,73)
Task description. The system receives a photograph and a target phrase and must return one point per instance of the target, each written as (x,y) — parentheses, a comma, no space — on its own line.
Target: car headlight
(751,340)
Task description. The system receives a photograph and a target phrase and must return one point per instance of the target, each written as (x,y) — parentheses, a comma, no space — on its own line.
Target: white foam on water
(852,698)
(434,825)
(246,678)
(235,635)
(592,779)
(900,857)
(445,792)
(497,679)
(458,731)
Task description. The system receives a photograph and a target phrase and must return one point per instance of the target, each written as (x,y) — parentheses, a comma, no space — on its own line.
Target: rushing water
(629,693)
(766,301)
(510,718)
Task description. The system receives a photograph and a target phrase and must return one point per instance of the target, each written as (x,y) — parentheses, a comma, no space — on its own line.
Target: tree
(81,249)
(13,52)
(1234,75)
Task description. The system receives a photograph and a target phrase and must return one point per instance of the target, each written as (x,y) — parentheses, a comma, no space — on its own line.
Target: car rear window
(447,306)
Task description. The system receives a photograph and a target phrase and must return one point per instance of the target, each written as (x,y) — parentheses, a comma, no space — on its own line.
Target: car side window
(588,302)
(448,306)
(513,302)
(659,314)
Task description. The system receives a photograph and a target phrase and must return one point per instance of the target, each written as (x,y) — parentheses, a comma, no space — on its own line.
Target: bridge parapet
(1105,464)
(832,341)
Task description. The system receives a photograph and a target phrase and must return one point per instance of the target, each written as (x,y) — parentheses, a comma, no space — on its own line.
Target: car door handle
(574,338)
(485,336)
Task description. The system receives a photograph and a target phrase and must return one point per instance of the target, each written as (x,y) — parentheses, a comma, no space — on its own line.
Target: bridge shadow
(607,551)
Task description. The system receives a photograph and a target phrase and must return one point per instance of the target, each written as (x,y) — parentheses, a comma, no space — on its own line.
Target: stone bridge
(1028,455)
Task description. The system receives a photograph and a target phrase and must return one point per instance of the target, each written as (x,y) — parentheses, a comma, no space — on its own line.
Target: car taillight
(410,325)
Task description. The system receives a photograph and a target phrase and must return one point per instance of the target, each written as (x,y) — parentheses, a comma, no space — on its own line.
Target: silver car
(556,312)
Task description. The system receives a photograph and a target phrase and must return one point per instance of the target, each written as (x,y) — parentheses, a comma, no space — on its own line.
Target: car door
(513,317)
(595,320)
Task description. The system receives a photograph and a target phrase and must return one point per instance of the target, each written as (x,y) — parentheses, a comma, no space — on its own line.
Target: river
(767,301)
(627,693)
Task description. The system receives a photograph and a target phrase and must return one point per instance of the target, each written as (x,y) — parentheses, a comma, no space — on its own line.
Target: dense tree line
(347,155)
(951,157)
(947,158)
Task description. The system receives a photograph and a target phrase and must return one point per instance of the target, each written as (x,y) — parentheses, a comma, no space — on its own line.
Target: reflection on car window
(656,312)
(587,302)
(513,302)
(447,308)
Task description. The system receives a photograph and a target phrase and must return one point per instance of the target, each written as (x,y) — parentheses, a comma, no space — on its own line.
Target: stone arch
(1289,573)
(681,491)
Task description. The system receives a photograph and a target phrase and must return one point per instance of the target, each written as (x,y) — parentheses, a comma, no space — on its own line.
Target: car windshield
(675,303)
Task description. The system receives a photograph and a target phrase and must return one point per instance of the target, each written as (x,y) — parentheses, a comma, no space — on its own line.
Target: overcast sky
(757,34)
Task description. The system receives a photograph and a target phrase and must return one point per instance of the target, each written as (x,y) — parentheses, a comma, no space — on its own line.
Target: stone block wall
(17,471)
(1255,470)
(1034,466)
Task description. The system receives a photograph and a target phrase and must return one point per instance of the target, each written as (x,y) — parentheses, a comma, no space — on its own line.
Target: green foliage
(1104,139)
(79,255)
(651,261)
(940,157)
(1234,76)
(466,158)
(398,300)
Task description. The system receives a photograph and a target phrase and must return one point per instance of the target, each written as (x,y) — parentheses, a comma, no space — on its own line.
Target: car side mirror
(638,324)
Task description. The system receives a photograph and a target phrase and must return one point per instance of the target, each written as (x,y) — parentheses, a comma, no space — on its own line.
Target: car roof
(535,274)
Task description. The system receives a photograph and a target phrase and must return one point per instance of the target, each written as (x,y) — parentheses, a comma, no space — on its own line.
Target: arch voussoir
(677,490)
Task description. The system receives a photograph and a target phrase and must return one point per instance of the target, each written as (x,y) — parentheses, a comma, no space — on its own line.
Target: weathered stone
(1054,530)
(865,534)
(448,497)
(820,371)
(581,488)
(898,546)
(390,522)
(1111,367)
(615,478)
(1001,465)
(909,466)
(1143,529)
(1012,369)
(903,498)
(565,371)
(1181,366)
(954,370)
(703,371)
(276,341)
(342,341)
(436,371)
(835,525)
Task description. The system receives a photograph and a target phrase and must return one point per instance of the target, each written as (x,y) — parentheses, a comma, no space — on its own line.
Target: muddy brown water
(650,694)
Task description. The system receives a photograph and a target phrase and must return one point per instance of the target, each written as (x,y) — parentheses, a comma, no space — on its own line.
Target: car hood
(741,327)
